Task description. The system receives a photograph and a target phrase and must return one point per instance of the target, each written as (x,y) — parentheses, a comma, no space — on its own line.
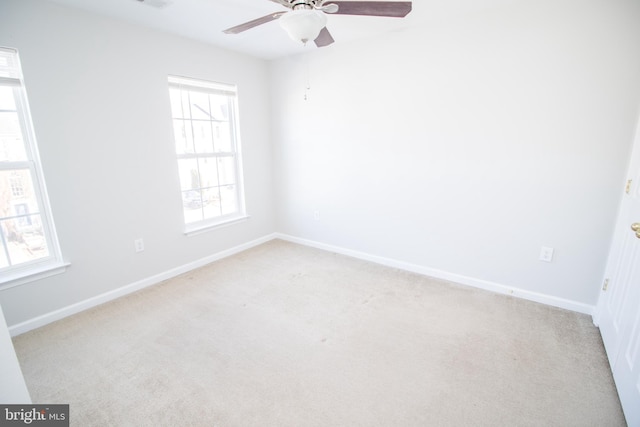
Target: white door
(618,311)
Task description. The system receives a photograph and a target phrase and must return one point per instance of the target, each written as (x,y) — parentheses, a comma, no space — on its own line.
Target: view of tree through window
(206,141)
(26,235)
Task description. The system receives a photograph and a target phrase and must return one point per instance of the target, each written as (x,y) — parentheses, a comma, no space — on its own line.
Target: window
(207,145)
(28,243)
(17,189)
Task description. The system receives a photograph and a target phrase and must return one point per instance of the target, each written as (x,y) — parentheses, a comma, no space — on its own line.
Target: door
(618,311)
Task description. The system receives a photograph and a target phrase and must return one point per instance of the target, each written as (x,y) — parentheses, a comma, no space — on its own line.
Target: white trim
(203,85)
(203,229)
(50,317)
(10,81)
(35,273)
(445,275)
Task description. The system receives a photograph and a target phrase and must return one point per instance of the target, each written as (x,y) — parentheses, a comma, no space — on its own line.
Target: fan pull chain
(308,80)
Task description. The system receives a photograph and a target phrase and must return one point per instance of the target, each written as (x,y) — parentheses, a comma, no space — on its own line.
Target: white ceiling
(205,20)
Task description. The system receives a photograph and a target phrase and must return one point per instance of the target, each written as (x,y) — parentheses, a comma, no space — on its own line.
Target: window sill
(20,278)
(203,228)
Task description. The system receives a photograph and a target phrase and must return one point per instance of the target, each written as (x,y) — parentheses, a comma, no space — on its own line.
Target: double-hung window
(28,242)
(205,126)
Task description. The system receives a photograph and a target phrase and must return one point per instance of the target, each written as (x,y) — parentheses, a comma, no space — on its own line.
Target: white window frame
(14,275)
(229,91)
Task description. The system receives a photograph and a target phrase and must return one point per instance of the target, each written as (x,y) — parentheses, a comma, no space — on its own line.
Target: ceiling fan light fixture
(303,25)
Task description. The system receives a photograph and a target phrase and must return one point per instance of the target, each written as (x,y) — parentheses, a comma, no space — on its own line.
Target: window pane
(17,194)
(4,67)
(4,261)
(219,108)
(200,105)
(184,136)
(222,138)
(176,103)
(208,172)
(180,107)
(25,239)
(11,141)
(189,176)
(192,199)
(9,63)
(227,170)
(202,136)
(192,206)
(211,196)
(7,100)
(229,199)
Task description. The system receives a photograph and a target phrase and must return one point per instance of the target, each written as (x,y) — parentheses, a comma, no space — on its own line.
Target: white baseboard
(452,277)
(50,317)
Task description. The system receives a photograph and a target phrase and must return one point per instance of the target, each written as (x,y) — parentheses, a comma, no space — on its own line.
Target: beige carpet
(285,335)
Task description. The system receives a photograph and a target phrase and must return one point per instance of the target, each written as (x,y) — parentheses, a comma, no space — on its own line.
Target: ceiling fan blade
(283,2)
(324,38)
(248,25)
(394,9)
(326,8)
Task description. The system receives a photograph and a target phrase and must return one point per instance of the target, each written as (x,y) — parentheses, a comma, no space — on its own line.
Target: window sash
(197,196)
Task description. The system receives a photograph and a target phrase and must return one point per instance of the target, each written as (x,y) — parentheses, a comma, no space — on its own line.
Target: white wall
(468,143)
(99,100)
(463,145)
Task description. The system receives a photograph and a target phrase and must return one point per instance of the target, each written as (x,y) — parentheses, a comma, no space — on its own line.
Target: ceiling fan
(306,20)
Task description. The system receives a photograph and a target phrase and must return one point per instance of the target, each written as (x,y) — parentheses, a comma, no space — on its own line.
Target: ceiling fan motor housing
(297,5)
(303,4)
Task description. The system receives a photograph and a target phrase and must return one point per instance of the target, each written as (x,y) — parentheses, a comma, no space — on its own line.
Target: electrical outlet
(139,244)
(316,215)
(546,254)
